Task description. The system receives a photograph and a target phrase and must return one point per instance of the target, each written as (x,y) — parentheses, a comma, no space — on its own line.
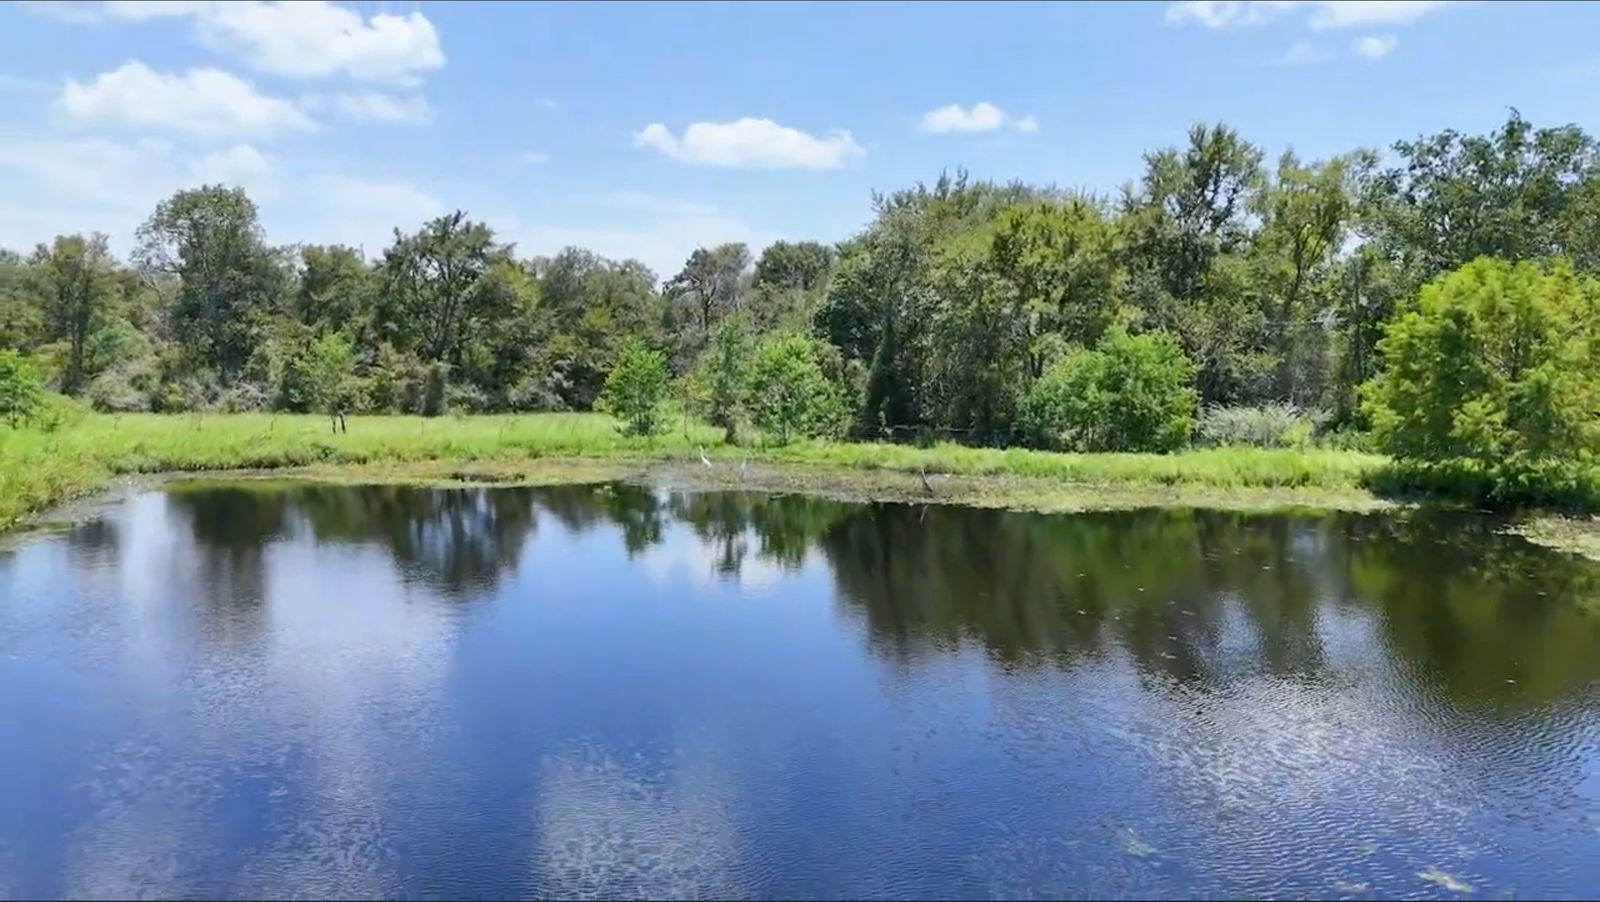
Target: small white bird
(703,459)
(743,466)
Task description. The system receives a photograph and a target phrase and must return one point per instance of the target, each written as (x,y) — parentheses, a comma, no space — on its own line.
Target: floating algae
(1133,844)
(1449,882)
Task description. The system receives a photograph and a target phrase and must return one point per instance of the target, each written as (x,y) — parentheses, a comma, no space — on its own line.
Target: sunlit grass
(39,469)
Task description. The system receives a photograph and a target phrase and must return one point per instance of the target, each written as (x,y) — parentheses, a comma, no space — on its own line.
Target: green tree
(723,373)
(710,286)
(1304,212)
(227,279)
(77,285)
(794,266)
(790,395)
(1064,260)
(1496,362)
(594,306)
(441,293)
(336,290)
(1040,275)
(791,278)
(20,319)
(21,389)
(636,387)
(1133,393)
(1187,228)
(882,304)
(1519,193)
(330,363)
(979,346)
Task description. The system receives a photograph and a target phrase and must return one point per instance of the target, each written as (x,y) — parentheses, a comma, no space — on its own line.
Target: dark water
(608,691)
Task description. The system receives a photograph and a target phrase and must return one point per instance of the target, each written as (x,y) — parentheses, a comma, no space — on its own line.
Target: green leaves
(1497,361)
(1133,393)
(229,280)
(790,395)
(21,389)
(636,387)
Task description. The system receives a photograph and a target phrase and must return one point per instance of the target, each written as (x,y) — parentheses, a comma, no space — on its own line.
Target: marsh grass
(40,469)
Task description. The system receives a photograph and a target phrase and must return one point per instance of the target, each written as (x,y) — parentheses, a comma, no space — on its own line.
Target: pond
(298,689)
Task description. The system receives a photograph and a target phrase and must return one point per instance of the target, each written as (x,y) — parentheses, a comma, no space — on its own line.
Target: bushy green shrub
(1490,392)
(1274,425)
(182,395)
(1132,393)
(128,387)
(720,380)
(535,394)
(435,398)
(1496,362)
(246,397)
(467,398)
(54,412)
(636,387)
(789,394)
(21,388)
(393,382)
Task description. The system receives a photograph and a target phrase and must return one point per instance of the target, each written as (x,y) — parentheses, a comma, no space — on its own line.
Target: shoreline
(1005,492)
(41,470)
(48,478)
(1579,535)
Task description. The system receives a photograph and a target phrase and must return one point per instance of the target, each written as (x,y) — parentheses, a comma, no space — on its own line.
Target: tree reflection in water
(1189,595)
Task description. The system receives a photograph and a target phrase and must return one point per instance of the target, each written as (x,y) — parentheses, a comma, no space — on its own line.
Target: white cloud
(1303,53)
(534,157)
(750,142)
(374,106)
(54,186)
(1321,14)
(71,171)
(1375,46)
(981,117)
(202,102)
(308,39)
(1355,13)
(549,104)
(77,13)
(240,165)
(403,204)
(50,186)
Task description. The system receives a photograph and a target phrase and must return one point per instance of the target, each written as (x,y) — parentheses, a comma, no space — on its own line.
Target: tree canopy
(1219,277)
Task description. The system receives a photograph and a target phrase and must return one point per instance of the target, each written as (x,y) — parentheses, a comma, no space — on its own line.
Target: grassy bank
(38,470)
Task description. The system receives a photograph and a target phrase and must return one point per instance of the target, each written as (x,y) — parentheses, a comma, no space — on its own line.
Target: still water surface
(608,691)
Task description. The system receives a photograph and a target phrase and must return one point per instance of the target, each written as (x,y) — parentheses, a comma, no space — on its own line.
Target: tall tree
(337,288)
(708,288)
(594,305)
(794,265)
(1517,193)
(1187,227)
(882,302)
(1063,260)
(438,290)
(77,284)
(20,319)
(210,240)
(1304,212)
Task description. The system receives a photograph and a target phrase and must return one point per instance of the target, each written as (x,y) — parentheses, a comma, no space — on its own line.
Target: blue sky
(646,129)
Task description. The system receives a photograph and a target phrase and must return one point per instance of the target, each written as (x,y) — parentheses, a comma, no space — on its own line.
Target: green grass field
(41,469)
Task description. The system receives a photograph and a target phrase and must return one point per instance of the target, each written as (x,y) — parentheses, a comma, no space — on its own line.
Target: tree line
(1216,281)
